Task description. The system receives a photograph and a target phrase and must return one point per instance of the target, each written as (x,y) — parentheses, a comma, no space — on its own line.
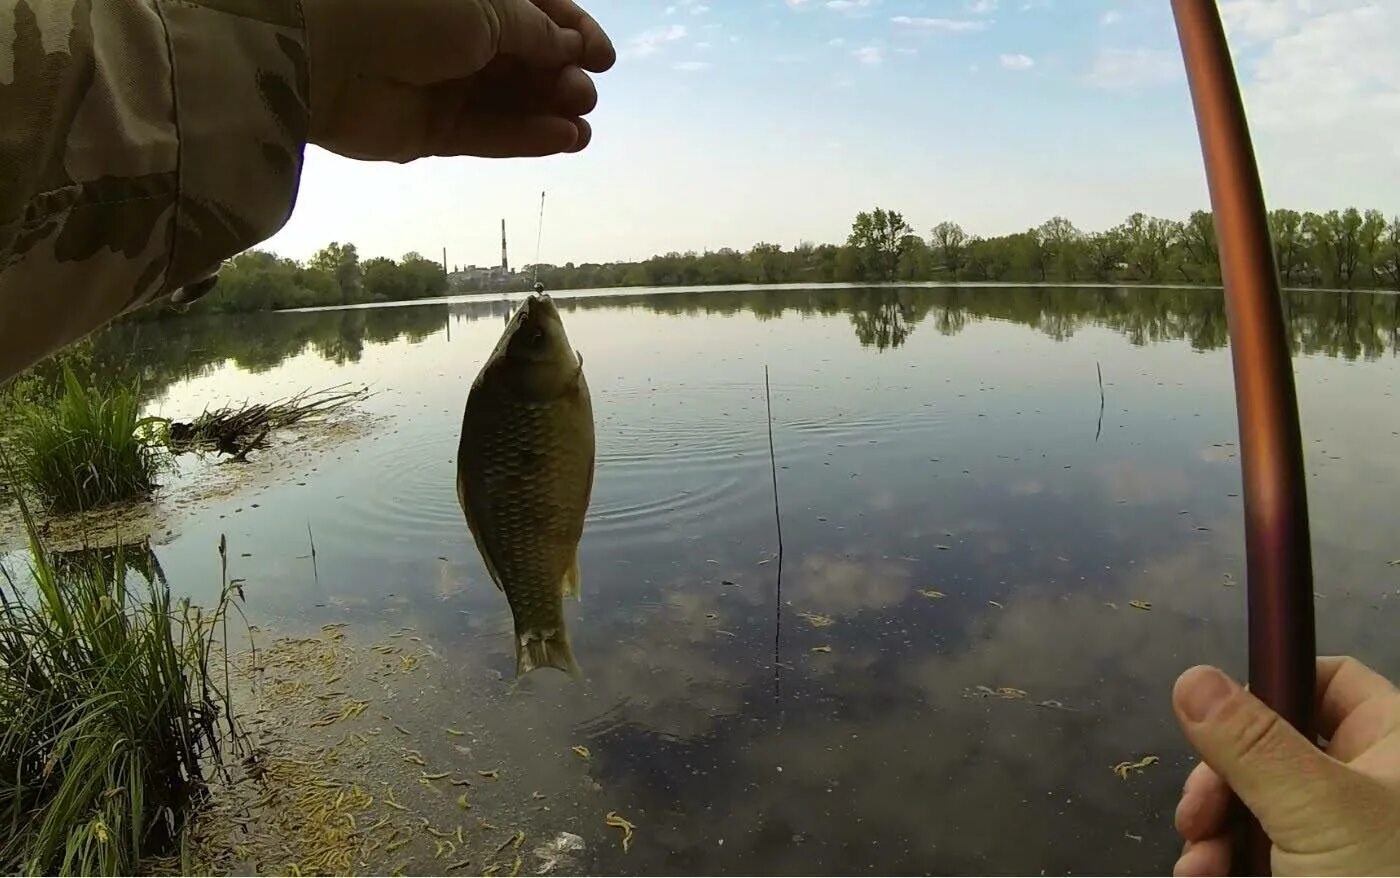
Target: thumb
(1294,789)
(529,34)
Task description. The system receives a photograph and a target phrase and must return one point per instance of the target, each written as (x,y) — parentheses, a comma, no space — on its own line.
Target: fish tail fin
(573,580)
(545,649)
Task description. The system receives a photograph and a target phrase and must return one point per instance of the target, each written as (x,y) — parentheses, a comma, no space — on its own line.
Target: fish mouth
(537,304)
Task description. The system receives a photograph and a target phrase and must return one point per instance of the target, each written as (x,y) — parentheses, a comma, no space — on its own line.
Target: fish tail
(544,649)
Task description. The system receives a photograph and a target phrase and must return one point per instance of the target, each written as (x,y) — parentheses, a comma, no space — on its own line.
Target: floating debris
(997,605)
(1010,692)
(581,750)
(1122,769)
(817,620)
(1140,605)
(414,757)
(821,649)
(423,775)
(932,594)
(463,803)
(551,852)
(349,709)
(490,775)
(625,825)
(456,733)
(515,841)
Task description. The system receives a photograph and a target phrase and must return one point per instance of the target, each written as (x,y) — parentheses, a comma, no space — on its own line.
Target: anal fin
(573,580)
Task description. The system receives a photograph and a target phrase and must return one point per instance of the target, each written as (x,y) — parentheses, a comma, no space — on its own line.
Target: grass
(87,448)
(110,711)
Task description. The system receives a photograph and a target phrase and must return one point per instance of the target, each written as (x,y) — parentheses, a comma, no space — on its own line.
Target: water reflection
(1352,324)
(928,441)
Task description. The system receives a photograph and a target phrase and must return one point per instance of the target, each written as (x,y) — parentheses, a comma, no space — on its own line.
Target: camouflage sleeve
(142,143)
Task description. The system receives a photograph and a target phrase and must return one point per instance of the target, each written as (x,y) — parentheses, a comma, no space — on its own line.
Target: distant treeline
(259,281)
(1347,249)
(1343,249)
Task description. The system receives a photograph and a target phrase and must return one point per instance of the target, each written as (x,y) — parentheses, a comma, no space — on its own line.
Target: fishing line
(539,236)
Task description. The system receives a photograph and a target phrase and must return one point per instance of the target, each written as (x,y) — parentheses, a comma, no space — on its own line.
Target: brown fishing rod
(1282,646)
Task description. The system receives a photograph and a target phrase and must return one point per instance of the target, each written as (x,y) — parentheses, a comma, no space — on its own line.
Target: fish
(525,468)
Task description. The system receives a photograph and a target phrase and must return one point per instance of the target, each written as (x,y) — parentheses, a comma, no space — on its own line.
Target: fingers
(1282,777)
(1344,684)
(530,34)
(1204,806)
(598,52)
(509,136)
(508,86)
(1210,856)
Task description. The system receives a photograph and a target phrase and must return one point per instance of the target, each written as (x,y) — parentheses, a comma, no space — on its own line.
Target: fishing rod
(1282,638)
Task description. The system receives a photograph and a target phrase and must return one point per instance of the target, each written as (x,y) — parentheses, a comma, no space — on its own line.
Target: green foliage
(259,281)
(1343,249)
(109,707)
(87,448)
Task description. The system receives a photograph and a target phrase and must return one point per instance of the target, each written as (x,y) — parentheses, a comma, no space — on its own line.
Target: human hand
(404,79)
(1334,811)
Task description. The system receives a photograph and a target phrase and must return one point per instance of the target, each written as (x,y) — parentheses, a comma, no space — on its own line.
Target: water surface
(944,440)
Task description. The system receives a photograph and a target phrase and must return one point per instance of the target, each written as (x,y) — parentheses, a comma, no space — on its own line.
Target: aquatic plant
(88,448)
(111,699)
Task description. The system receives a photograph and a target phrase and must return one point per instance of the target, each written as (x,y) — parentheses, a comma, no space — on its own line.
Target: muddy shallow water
(954,665)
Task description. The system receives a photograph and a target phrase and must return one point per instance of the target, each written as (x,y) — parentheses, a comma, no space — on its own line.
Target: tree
(1059,242)
(1029,255)
(381,279)
(1387,266)
(766,264)
(1200,260)
(950,245)
(1372,234)
(1103,254)
(915,259)
(341,262)
(878,235)
(1146,244)
(1290,243)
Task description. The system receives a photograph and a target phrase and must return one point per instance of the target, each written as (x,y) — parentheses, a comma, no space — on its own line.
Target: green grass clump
(110,707)
(87,448)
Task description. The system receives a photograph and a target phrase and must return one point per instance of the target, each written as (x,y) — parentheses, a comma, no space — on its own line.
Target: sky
(730,122)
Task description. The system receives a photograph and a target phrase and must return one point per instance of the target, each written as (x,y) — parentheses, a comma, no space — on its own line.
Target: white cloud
(691,66)
(849,5)
(869,55)
(1017,61)
(1112,16)
(797,4)
(704,46)
(670,10)
(1337,67)
(948,24)
(1131,69)
(699,9)
(982,7)
(650,42)
(1256,20)
(836,41)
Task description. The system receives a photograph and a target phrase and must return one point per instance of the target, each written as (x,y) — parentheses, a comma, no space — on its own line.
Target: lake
(953,665)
